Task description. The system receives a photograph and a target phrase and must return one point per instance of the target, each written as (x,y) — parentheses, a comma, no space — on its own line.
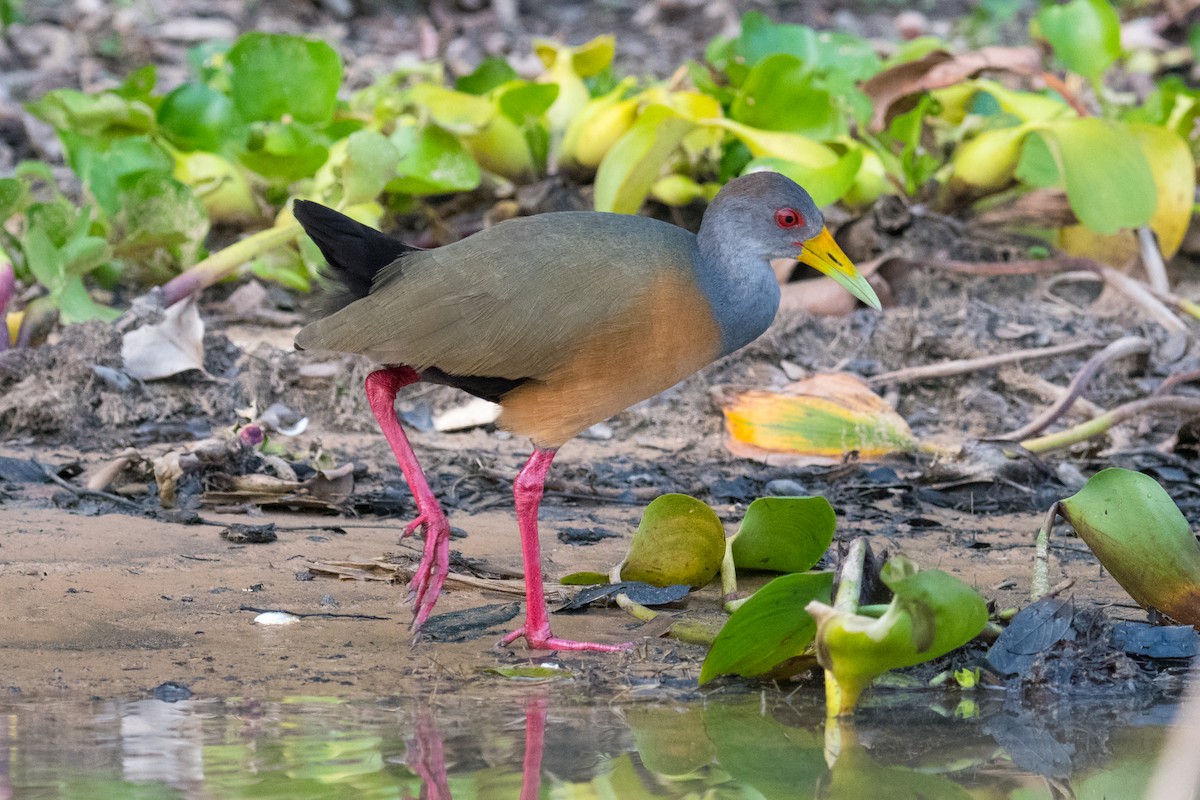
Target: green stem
(729,578)
(850,577)
(1094,427)
(222,263)
(634,609)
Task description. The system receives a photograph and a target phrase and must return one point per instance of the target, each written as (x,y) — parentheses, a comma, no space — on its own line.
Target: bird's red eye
(788,218)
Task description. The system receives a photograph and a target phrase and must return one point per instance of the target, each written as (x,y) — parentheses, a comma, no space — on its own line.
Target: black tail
(355,252)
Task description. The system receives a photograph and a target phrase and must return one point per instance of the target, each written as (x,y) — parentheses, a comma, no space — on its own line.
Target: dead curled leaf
(818,420)
(168,347)
(895,90)
(327,490)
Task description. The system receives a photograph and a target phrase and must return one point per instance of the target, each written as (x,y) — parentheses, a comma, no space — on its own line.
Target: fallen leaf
(895,90)
(168,347)
(814,421)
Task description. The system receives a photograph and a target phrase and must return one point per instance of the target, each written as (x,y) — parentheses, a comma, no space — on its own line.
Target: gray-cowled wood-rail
(564,319)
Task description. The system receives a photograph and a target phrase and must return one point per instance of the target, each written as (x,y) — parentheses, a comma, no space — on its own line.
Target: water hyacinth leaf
(989,160)
(503,148)
(761,38)
(591,57)
(161,217)
(779,144)
(781,93)
(680,540)
(771,631)
(857,774)
(285,151)
(530,673)
(313,70)
(525,102)
(826,184)
(598,126)
(370,163)
(490,73)
(221,185)
(634,162)
(104,168)
(1085,34)
(432,161)
(12,194)
(106,115)
(1174,170)
(679,190)
(817,421)
(1071,145)
(931,613)
(784,534)
(196,117)
(1142,538)
(455,111)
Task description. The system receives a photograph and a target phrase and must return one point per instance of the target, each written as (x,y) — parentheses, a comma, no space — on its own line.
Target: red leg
(426,585)
(527,491)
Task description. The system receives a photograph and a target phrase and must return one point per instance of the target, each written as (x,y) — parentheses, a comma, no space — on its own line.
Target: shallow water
(544,740)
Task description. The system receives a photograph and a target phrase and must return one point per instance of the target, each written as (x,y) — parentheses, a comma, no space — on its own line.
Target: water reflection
(547,741)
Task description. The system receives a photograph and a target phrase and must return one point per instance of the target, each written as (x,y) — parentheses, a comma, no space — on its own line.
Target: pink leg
(426,585)
(527,491)
(535,742)
(424,755)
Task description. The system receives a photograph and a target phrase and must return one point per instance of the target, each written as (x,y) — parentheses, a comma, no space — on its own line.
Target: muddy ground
(111,594)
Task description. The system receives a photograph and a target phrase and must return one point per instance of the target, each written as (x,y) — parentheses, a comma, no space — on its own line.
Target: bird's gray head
(764,213)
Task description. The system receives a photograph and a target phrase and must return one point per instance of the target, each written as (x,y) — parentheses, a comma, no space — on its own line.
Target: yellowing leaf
(679,541)
(1174,171)
(635,161)
(1115,249)
(779,144)
(814,421)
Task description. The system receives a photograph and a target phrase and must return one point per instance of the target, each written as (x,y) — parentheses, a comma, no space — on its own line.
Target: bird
(564,319)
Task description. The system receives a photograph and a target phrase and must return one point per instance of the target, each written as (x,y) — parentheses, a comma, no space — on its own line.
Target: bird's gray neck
(739,284)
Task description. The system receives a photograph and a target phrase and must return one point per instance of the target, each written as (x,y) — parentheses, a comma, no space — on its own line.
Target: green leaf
(762,38)
(370,163)
(770,629)
(503,148)
(826,184)
(106,169)
(276,75)
(139,84)
(1141,537)
(526,102)
(679,541)
(458,112)
(1085,35)
(285,151)
(1107,194)
(931,614)
(634,162)
(195,117)
(432,161)
(12,195)
(784,534)
(106,115)
(161,217)
(76,305)
(781,93)
(584,579)
(530,673)
(591,57)
(491,73)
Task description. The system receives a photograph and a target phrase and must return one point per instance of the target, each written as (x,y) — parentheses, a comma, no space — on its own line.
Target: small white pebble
(276,618)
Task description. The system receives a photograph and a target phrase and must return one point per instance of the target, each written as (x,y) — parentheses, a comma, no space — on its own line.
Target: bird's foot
(430,575)
(544,640)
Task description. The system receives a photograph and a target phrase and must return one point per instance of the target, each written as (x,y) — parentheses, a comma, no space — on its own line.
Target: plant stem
(8,283)
(1094,427)
(634,609)
(1039,584)
(850,577)
(220,264)
(729,577)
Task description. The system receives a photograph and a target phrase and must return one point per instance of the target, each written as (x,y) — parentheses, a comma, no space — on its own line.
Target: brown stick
(947,369)
(1102,423)
(1126,346)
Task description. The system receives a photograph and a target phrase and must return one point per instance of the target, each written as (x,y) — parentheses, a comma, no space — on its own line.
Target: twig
(1102,423)
(1140,293)
(319,614)
(1056,83)
(947,369)
(1152,260)
(1125,346)
(1173,380)
(90,493)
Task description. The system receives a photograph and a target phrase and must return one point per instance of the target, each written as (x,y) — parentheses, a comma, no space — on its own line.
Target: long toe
(430,576)
(546,641)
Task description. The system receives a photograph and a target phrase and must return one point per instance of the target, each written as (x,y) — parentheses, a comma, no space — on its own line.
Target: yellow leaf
(1174,171)
(779,144)
(13,325)
(1115,249)
(814,421)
